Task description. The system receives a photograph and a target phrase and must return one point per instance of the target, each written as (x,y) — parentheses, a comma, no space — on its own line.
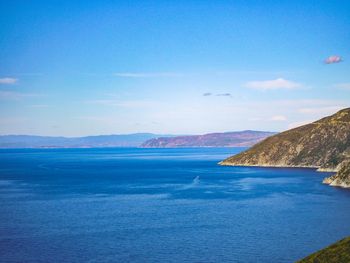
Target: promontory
(323,144)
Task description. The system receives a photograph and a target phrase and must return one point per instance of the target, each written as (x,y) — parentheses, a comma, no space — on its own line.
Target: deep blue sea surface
(161,205)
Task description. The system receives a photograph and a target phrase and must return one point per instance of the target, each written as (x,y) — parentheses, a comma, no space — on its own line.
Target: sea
(161,205)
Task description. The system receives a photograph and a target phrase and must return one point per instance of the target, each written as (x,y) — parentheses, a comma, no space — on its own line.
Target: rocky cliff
(323,144)
(341,178)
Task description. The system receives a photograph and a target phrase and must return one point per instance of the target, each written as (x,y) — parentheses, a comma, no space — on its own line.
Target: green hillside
(336,253)
(323,144)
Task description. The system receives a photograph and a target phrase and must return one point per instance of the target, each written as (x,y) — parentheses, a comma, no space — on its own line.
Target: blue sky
(172,67)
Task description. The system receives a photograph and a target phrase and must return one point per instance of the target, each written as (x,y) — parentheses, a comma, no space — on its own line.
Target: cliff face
(341,178)
(323,144)
(227,139)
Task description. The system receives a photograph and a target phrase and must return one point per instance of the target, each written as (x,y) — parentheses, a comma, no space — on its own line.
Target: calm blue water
(161,205)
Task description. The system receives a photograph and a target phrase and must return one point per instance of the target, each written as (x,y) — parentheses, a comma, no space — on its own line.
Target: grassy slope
(336,253)
(323,144)
(319,144)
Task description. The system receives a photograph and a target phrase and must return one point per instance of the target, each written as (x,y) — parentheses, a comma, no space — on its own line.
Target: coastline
(332,180)
(223,163)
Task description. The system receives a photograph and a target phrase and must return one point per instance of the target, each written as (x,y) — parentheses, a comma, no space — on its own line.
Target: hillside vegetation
(323,144)
(336,253)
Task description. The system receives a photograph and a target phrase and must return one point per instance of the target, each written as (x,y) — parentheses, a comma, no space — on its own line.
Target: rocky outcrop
(341,178)
(324,144)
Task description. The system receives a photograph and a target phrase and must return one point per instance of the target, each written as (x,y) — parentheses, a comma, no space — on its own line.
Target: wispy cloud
(147,74)
(8,80)
(274,84)
(344,86)
(207,94)
(333,59)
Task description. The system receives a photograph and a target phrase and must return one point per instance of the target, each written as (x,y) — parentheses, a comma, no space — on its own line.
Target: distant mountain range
(323,144)
(227,139)
(28,141)
(145,140)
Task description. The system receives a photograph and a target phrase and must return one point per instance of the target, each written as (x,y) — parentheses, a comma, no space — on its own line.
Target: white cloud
(8,80)
(278,118)
(333,59)
(147,74)
(279,83)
